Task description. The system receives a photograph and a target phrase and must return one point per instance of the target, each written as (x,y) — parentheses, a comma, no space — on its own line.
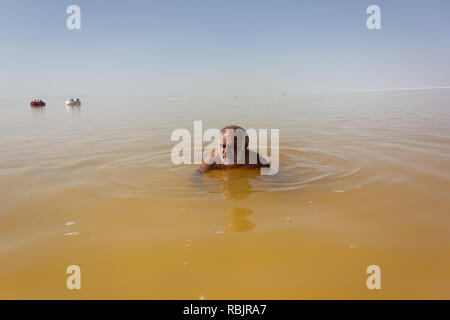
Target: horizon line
(403,89)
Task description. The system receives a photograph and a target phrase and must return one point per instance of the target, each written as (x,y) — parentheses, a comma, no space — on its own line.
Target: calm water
(364,179)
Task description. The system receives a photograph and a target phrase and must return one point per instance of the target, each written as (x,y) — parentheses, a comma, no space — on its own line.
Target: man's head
(232,138)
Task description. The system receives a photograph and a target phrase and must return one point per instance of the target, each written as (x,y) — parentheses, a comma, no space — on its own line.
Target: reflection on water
(235,186)
(38,108)
(364,179)
(73,109)
(235,183)
(237,220)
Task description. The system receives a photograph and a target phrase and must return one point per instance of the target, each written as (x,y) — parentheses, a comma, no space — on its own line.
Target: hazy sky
(202,47)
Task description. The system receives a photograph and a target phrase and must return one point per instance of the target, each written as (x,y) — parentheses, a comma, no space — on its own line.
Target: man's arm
(205,167)
(208,163)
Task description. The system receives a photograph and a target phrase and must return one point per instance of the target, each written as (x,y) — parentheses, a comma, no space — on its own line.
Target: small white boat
(71,102)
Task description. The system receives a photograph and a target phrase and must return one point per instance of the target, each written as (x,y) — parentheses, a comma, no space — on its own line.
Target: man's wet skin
(233,138)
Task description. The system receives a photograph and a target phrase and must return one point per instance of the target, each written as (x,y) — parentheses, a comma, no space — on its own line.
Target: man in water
(234,152)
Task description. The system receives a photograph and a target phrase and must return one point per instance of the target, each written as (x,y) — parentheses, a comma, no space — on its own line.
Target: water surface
(364,179)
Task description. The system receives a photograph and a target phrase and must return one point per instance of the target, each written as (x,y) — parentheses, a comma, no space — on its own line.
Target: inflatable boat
(71,102)
(37,103)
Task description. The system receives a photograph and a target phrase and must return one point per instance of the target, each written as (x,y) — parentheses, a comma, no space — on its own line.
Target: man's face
(230,142)
(227,141)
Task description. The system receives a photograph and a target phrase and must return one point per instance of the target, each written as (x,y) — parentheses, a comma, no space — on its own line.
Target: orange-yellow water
(364,180)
